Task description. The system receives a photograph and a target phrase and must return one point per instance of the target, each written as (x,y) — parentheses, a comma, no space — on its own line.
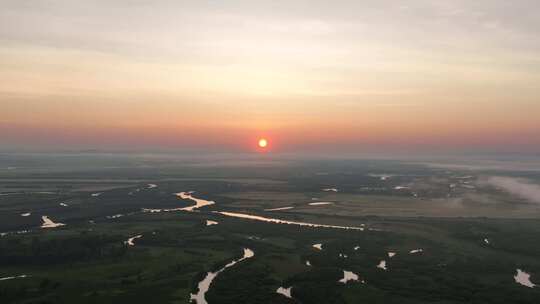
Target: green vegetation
(88,260)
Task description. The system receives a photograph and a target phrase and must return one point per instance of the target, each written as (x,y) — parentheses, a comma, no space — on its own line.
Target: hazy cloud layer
(517,186)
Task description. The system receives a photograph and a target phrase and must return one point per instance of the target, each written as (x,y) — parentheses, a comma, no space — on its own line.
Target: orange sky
(353,76)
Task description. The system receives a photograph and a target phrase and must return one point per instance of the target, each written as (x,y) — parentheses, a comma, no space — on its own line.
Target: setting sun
(263,143)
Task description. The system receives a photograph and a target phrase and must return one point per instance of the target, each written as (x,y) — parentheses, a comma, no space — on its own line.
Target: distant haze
(318,76)
(517,186)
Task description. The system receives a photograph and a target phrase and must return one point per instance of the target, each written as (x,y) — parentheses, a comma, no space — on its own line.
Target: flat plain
(446,235)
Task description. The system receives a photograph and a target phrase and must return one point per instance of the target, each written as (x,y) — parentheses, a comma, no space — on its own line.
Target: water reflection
(204,285)
(523,278)
(48,223)
(280,221)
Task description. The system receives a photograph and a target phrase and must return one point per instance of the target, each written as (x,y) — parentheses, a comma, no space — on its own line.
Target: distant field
(344,204)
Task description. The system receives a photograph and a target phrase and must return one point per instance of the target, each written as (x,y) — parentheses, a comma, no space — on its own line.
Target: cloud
(517,186)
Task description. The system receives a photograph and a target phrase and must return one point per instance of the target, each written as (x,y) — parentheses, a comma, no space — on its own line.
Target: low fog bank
(520,187)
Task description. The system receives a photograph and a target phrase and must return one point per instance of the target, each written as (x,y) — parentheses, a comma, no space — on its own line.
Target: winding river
(278,209)
(22,276)
(204,285)
(280,221)
(199,202)
(130,241)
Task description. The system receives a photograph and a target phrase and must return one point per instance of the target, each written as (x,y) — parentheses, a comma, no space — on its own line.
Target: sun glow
(263,143)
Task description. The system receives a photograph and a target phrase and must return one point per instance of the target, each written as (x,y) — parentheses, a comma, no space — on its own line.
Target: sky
(326,76)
